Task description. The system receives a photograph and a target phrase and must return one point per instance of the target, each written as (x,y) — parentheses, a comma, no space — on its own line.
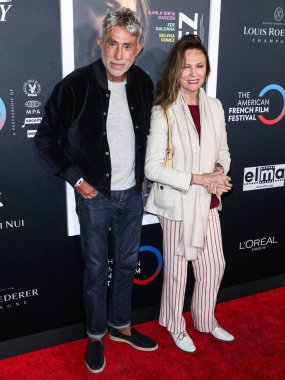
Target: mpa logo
(4,8)
(155,270)
(263,177)
(2,114)
(273,87)
(31,87)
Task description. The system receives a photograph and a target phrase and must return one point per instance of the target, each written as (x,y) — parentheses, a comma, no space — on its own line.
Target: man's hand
(86,191)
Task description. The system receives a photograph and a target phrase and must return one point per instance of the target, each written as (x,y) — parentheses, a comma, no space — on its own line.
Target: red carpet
(258,352)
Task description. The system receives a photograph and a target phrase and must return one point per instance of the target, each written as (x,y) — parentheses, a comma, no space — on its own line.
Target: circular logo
(282,113)
(155,251)
(2,114)
(33,104)
(32,87)
(278,14)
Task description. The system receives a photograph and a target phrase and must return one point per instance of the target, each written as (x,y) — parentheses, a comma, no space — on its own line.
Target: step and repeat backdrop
(40,262)
(251,86)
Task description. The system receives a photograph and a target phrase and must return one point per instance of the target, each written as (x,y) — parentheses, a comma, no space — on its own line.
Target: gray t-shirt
(121,138)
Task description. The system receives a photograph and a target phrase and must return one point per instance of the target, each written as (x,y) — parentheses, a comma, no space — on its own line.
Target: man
(94,135)
(88,16)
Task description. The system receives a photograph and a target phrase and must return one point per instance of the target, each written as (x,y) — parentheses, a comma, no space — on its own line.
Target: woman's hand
(215,183)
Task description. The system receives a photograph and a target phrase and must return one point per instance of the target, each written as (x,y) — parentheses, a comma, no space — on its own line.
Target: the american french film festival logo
(142,278)
(263,177)
(4,9)
(249,108)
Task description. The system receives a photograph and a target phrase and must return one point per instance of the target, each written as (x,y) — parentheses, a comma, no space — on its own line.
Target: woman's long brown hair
(169,83)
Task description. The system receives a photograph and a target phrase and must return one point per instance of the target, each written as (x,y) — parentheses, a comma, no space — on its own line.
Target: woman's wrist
(197,179)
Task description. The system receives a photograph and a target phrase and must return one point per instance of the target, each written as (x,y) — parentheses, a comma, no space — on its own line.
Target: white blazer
(171,195)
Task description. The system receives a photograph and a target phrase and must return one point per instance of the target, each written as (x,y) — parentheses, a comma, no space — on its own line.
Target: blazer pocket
(163,195)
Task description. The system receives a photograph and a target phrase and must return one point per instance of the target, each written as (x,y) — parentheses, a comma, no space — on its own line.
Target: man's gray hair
(125,18)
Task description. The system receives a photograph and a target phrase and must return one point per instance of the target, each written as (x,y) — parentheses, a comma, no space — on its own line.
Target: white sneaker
(221,334)
(183,341)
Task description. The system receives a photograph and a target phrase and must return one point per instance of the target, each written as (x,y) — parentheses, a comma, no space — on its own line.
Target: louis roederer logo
(270,31)
(278,14)
(4,8)
(263,177)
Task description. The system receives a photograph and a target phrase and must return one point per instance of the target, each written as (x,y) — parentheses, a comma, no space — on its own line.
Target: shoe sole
(186,352)
(96,370)
(222,340)
(131,344)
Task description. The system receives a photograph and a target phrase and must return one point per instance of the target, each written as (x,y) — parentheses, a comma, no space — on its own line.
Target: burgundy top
(196,118)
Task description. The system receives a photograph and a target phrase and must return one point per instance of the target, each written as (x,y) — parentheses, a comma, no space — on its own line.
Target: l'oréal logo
(255,245)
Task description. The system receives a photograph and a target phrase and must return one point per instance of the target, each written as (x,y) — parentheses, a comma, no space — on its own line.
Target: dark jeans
(123,213)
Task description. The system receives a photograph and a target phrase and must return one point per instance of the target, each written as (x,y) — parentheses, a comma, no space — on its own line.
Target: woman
(186,196)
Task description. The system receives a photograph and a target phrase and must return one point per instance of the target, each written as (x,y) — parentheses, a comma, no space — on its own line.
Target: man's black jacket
(72,136)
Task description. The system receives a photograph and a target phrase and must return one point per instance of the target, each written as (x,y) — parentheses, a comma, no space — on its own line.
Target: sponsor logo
(33,104)
(148,249)
(257,245)
(31,133)
(12,224)
(278,14)
(249,108)
(268,31)
(32,88)
(4,8)
(263,177)
(32,120)
(11,299)
(2,114)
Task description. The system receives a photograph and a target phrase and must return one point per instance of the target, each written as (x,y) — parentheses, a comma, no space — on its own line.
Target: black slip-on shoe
(94,357)
(136,339)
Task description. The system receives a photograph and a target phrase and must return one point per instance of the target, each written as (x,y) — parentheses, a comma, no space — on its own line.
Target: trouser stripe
(208,272)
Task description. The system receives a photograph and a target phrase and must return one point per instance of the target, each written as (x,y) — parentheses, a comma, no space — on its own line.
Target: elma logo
(156,271)
(263,177)
(281,90)
(2,114)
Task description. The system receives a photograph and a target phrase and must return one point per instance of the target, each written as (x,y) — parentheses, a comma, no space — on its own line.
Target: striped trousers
(208,272)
